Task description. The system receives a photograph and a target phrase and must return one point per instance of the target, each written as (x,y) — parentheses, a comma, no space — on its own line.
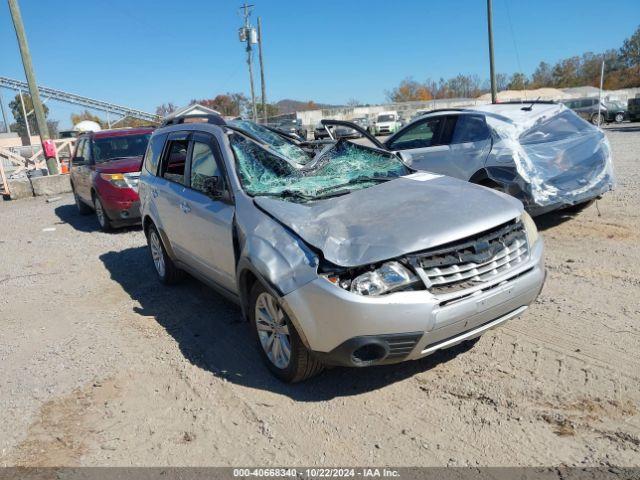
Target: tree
(52,125)
(165,109)
(542,77)
(630,51)
(565,72)
(133,122)
(409,90)
(272,110)
(16,109)
(228,104)
(502,81)
(518,81)
(87,115)
(354,102)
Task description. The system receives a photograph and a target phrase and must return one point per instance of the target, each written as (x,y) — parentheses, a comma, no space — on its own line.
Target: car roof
(190,126)
(119,132)
(514,111)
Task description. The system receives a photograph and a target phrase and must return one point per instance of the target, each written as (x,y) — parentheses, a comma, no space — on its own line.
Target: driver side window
(203,166)
(422,135)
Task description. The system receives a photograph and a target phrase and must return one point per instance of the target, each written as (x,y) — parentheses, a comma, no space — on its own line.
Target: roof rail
(436,110)
(527,102)
(195,118)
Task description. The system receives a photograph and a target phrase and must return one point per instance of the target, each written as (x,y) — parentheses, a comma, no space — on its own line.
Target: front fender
(279,257)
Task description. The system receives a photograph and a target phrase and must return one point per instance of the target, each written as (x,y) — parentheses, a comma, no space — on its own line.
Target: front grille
(473,261)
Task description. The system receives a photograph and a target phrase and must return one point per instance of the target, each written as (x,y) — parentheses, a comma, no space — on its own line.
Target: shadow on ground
(557,217)
(212,335)
(84,223)
(625,129)
(553,219)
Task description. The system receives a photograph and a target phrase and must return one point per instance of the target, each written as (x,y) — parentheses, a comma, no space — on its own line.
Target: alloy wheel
(102,219)
(273,330)
(156,253)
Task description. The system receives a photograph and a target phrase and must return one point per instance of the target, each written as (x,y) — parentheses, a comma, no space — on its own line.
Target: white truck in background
(387,123)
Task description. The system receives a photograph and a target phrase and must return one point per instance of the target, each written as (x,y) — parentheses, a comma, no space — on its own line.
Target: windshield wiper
(353,181)
(287,193)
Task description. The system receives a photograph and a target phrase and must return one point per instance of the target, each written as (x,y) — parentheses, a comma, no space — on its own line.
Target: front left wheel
(101,215)
(278,341)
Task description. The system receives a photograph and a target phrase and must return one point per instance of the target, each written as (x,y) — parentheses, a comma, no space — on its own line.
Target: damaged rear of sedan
(339,256)
(541,153)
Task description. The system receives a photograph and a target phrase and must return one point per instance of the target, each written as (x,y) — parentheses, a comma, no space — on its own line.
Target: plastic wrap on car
(559,158)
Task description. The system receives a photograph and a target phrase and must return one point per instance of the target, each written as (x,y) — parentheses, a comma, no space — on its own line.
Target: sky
(146,52)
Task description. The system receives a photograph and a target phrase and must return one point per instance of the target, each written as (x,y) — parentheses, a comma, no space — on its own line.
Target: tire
(274,334)
(594,119)
(619,118)
(101,215)
(83,208)
(166,270)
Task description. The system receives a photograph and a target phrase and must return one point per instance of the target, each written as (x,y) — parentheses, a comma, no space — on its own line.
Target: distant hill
(290,106)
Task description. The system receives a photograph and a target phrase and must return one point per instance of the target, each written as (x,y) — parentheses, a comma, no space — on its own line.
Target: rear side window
(84,150)
(470,128)
(175,161)
(153,153)
(557,128)
(79,148)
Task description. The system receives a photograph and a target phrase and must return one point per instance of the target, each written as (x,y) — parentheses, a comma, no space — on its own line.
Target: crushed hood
(401,216)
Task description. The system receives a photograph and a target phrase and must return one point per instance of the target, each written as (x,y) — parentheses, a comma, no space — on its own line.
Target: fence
(14,161)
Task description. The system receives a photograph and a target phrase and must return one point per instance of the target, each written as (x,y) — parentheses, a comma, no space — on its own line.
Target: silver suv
(337,255)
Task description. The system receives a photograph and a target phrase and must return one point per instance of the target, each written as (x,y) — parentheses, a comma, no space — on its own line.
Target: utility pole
(4,113)
(25,116)
(600,92)
(31,81)
(494,91)
(262,86)
(248,35)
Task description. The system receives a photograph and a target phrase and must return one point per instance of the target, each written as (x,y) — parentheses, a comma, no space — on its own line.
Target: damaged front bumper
(343,328)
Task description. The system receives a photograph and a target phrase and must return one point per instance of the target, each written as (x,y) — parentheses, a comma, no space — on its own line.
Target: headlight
(389,277)
(122,180)
(530,229)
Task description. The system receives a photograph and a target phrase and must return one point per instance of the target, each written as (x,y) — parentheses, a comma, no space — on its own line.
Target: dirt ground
(100,365)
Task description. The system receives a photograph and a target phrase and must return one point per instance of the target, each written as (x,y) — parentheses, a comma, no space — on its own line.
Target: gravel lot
(103,366)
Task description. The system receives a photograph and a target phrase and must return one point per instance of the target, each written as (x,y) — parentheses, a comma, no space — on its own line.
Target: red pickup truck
(105,170)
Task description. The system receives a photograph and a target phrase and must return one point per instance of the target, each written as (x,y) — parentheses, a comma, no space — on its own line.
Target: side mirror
(78,161)
(213,187)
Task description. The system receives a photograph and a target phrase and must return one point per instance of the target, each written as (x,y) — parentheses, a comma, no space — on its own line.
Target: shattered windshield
(341,169)
(280,144)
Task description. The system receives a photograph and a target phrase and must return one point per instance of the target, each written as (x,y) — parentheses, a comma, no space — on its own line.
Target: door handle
(185,207)
(154,193)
